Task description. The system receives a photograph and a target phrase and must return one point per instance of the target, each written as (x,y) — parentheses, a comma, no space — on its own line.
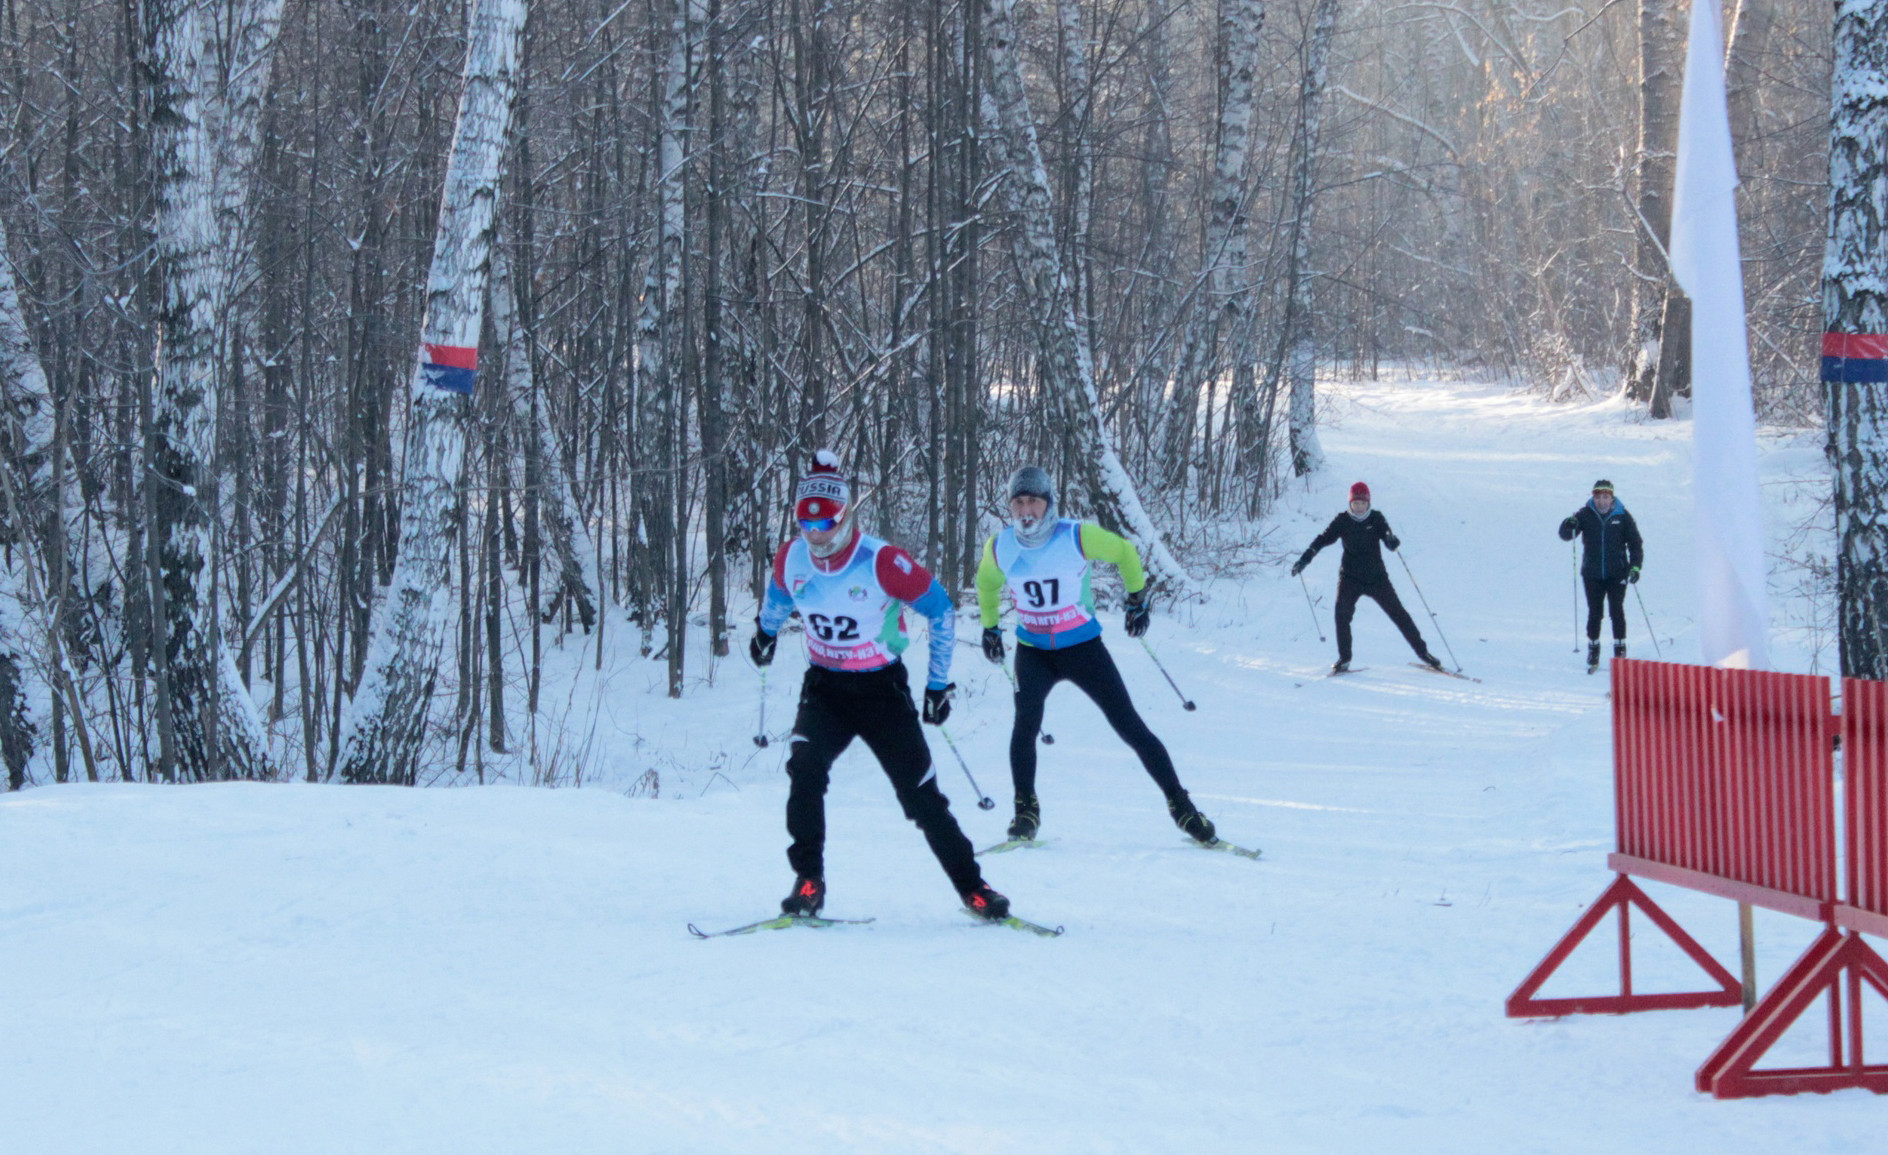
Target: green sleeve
(989,584)
(1100,545)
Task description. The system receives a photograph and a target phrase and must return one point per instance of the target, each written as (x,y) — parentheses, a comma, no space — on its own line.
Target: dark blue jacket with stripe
(1612,544)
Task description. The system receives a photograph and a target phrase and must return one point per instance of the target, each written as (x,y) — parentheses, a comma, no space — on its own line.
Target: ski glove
(1633,577)
(1392,541)
(1137,613)
(1568,528)
(761,647)
(993,644)
(1297,567)
(937,703)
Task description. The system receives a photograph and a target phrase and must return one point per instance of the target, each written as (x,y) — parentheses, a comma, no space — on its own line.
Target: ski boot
(1341,666)
(1430,660)
(1028,818)
(1592,656)
(1197,826)
(983,902)
(1619,648)
(809,894)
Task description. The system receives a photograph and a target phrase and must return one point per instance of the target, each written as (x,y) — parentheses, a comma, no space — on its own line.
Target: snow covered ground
(286,968)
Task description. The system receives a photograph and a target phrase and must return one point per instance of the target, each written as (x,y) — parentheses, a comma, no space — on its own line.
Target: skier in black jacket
(1613,554)
(1364,531)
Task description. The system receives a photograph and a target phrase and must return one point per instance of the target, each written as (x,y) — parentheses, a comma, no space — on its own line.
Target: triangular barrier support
(1622,895)
(1835,964)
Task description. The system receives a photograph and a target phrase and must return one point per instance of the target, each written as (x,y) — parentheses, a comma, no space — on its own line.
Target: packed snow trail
(235,968)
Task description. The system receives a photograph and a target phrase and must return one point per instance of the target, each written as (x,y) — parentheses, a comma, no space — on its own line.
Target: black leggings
(1605,594)
(836,707)
(1090,667)
(1349,590)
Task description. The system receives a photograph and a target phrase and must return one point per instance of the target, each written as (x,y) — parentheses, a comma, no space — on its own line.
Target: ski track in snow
(242,968)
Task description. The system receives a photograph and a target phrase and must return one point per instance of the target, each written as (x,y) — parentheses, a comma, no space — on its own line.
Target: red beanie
(1360,490)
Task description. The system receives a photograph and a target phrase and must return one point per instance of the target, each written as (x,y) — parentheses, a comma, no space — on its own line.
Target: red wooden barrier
(1723,782)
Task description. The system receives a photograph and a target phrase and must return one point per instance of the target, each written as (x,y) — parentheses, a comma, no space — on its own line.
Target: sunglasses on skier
(818,524)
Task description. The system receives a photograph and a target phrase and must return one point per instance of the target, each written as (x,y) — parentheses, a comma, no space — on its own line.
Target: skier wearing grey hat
(1045,563)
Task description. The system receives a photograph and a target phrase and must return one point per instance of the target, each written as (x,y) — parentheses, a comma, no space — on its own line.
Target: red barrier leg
(1623,894)
(1832,963)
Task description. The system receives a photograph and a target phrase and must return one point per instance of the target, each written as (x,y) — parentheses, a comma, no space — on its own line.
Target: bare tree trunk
(206,121)
(1068,373)
(660,341)
(1223,272)
(559,520)
(386,722)
(1855,321)
(1297,336)
(1661,69)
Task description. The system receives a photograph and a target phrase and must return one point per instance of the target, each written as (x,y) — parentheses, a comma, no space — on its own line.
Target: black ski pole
(984,801)
(1048,739)
(1417,586)
(760,735)
(1184,700)
(1649,631)
(1311,605)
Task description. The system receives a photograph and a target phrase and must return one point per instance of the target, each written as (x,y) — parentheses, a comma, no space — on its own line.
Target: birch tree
(1297,336)
(1224,273)
(386,723)
(1065,365)
(206,108)
(1855,321)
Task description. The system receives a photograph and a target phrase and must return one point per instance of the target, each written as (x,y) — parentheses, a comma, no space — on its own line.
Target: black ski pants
(838,706)
(1605,594)
(1092,670)
(1349,589)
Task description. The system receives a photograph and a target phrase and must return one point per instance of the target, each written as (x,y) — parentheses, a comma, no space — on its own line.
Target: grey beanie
(1032,481)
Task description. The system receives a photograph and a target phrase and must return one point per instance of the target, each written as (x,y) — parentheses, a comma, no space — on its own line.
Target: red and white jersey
(853,604)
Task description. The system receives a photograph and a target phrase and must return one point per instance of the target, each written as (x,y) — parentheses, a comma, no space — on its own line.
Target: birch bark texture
(386,722)
(1297,335)
(1224,275)
(206,119)
(1066,367)
(1855,323)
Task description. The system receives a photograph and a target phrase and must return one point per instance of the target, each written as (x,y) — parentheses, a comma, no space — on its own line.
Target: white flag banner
(1734,599)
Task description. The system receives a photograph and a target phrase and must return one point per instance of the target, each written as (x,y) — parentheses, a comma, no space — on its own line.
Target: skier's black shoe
(1198,826)
(1592,656)
(1430,660)
(1028,818)
(809,894)
(1341,666)
(1619,649)
(983,902)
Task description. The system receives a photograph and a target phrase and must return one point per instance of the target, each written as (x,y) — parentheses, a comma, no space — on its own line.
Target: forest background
(728,232)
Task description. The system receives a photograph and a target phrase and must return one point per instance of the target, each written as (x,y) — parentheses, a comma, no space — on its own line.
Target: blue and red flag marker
(452,368)
(1855,357)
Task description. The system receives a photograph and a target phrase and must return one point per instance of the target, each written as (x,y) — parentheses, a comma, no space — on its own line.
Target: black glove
(1633,577)
(1137,613)
(1297,567)
(993,645)
(1392,541)
(1568,528)
(761,646)
(937,704)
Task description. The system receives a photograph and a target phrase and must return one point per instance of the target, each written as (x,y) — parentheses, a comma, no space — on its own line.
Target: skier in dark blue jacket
(1613,553)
